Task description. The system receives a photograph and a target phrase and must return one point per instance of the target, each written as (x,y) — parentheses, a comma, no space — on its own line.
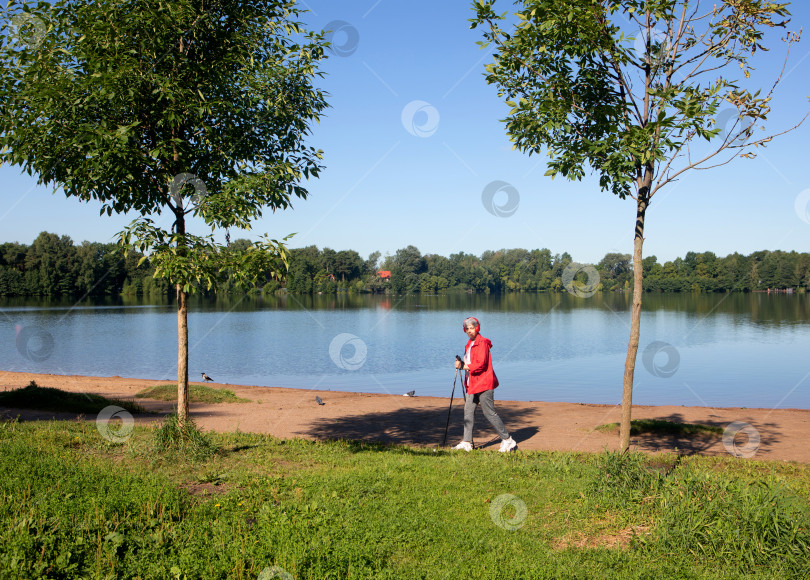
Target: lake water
(727,350)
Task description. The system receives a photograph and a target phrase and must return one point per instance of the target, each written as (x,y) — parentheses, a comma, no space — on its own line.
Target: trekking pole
(452,394)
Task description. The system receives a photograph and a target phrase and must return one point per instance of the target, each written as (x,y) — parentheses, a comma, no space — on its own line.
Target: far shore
(420,421)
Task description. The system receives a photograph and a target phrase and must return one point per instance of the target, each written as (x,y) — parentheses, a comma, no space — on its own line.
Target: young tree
(186,107)
(636,91)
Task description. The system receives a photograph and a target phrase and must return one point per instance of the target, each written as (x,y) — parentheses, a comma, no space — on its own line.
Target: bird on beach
(206,378)
(318,400)
(410,394)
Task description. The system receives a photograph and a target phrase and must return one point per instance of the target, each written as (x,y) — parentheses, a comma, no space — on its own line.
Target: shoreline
(286,412)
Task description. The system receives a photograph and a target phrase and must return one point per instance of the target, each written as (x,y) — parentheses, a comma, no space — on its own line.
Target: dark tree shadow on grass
(154,412)
(706,443)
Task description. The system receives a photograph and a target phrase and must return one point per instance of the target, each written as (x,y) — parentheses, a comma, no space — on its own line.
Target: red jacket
(481,377)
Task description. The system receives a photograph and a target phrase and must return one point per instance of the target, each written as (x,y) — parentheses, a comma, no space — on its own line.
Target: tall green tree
(348,264)
(635,91)
(49,264)
(406,266)
(185,108)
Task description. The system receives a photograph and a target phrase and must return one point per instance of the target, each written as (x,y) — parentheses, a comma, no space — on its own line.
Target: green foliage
(622,88)
(51,399)
(89,517)
(520,270)
(74,507)
(55,266)
(624,479)
(198,262)
(313,270)
(218,96)
(97,269)
(752,524)
(757,524)
(197,394)
(186,441)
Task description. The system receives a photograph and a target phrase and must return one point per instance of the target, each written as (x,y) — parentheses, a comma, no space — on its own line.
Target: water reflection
(759,308)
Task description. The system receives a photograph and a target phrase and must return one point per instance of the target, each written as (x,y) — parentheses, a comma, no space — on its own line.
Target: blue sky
(413,139)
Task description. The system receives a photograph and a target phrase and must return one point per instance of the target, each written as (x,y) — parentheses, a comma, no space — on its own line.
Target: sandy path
(420,421)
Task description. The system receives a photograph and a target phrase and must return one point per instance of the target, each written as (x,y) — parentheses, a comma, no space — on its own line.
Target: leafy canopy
(623,86)
(132,102)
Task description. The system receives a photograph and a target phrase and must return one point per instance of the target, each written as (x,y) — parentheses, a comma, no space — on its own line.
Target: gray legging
(487,401)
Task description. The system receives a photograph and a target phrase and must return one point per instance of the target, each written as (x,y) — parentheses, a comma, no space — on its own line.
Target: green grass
(196,393)
(72,505)
(187,442)
(662,427)
(51,399)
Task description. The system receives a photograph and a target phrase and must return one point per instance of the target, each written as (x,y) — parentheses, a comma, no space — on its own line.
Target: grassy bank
(663,427)
(75,505)
(49,399)
(196,394)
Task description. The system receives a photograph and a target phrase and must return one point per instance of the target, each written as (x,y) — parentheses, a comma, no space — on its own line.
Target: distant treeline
(55,266)
(520,270)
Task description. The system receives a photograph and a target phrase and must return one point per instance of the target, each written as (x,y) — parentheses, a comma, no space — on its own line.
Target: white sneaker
(507,445)
(464,446)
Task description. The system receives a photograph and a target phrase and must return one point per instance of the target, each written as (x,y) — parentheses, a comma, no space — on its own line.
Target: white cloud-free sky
(412,139)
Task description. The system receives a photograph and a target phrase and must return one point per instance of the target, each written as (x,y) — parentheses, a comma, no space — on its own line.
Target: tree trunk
(182,333)
(182,356)
(635,325)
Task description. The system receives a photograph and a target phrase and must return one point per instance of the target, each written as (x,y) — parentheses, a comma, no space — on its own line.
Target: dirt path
(282,412)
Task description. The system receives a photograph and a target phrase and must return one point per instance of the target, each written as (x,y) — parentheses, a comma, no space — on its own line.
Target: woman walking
(481,384)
